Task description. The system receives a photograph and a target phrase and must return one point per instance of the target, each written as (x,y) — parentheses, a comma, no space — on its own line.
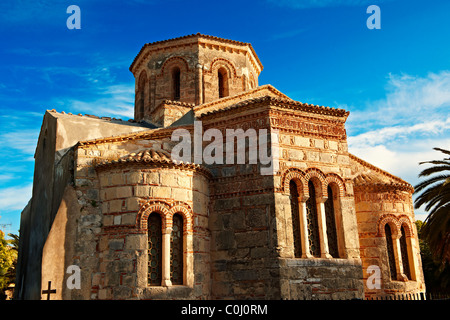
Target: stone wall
(123,241)
(321,279)
(54,170)
(375,207)
(319,156)
(243,253)
(118,200)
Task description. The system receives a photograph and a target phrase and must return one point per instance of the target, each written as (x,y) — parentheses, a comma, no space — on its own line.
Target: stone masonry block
(184,181)
(134,178)
(162,192)
(124,192)
(136,242)
(117,179)
(129,219)
(151,178)
(115,206)
(143,191)
(252,239)
(169,179)
(133,204)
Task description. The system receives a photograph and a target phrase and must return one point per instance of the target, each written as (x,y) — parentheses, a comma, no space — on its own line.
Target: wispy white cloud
(386,135)
(113,100)
(409,100)
(399,131)
(22,140)
(15,197)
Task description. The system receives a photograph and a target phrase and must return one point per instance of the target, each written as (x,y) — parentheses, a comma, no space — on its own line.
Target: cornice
(367,182)
(197,37)
(150,157)
(281,103)
(150,134)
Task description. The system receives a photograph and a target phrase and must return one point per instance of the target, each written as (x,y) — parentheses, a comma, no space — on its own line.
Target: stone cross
(49,291)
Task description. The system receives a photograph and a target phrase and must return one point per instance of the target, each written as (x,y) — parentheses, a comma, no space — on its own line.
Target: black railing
(412,296)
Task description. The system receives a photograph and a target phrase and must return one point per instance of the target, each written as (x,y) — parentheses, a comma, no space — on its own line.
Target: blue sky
(395,81)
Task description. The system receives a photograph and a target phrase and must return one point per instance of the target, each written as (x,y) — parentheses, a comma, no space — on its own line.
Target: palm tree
(435,195)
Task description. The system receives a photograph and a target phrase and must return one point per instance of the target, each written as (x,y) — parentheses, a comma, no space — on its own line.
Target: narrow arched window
(295,219)
(331,225)
(312,221)
(390,251)
(154,249)
(176,250)
(223,82)
(176,81)
(141,93)
(404,252)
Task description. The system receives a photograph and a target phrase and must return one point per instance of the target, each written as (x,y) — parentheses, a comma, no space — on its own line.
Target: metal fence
(413,296)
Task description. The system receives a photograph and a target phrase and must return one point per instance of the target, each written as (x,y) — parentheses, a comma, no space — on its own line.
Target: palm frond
(444,162)
(427,195)
(429,182)
(442,150)
(434,193)
(435,169)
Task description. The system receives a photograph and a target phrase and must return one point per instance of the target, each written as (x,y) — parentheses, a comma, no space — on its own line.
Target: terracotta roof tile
(376,177)
(150,156)
(287,103)
(199,35)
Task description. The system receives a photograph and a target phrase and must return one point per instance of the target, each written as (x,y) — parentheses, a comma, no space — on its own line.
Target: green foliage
(435,196)
(8,260)
(437,276)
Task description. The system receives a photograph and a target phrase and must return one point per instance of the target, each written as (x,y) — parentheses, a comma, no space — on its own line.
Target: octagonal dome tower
(191,70)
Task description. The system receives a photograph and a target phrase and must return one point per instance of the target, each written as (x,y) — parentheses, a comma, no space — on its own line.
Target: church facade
(115,216)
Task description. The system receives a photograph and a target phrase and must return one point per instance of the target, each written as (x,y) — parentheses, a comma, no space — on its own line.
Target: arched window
(154,249)
(223,82)
(404,252)
(312,221)
(176,250)
(176,81)
(390,251)
(141,93)
(295,219)
(331,225)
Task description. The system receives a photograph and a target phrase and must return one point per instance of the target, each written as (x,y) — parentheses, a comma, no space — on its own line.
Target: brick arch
(158,206)
(393,223)
(334,179)
(252,81)
(142,80)
(299,177)
(404,221)
(218,63)
(186,212)
(318,178)
(175,62)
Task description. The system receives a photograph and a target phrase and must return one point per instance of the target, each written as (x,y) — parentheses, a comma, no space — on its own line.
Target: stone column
(398,257)
(199,85)
(322,228)
(412,258)
(304,228)
(166,257)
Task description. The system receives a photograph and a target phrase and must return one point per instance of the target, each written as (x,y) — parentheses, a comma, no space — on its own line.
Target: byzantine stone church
(109,199)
